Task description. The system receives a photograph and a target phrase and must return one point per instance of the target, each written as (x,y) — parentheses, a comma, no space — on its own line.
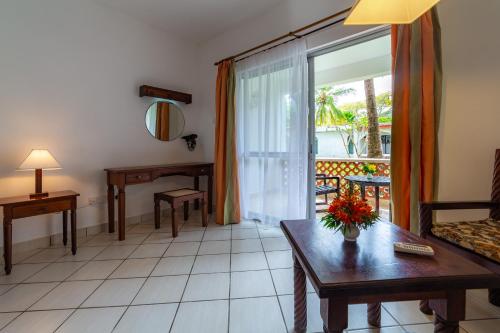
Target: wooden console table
(22,206)
(122,177)
(370,272)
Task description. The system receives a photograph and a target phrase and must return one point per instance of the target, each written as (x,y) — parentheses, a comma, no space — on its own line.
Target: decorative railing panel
(350,167)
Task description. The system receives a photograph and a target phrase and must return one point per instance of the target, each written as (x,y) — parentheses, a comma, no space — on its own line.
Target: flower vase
(369,176)
(351,233)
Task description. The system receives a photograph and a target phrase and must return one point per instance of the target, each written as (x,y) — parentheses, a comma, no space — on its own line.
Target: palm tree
(373,138)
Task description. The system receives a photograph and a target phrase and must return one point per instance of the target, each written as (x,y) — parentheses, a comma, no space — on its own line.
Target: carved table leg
(334,312)
(300,297)
(444,326)
(424,307)
(448,311)
(374,312)
(494,296)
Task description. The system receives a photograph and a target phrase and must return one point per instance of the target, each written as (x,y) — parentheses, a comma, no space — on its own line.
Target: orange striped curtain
(162,121)
(417,75)
(227,202)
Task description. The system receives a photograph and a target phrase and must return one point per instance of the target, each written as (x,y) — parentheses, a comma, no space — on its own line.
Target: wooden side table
(22,206)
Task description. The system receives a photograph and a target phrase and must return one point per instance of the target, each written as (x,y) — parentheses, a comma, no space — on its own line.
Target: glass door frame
(341,44)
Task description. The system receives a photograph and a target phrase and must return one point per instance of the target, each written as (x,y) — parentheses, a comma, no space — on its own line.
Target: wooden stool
(176,198)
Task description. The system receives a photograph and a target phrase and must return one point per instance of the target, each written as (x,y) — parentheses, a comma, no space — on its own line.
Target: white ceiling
(196,20)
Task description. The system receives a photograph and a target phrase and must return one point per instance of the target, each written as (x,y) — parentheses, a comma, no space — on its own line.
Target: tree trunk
(373,138)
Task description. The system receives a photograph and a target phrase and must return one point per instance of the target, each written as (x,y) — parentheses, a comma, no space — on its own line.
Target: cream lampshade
(38,160)
(388,11)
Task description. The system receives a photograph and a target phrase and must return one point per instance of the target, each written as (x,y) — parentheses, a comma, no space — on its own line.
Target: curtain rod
(293,34)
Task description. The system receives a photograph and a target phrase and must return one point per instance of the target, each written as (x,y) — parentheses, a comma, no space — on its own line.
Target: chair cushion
(482,236)
(181,192)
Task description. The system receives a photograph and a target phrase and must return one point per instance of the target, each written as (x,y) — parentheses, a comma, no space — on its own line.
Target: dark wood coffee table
(369,271)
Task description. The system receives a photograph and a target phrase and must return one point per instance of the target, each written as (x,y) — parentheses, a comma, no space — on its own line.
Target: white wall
(69,77)
(470,119)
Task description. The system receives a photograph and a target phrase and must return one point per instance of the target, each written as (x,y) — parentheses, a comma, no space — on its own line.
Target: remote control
(420,249)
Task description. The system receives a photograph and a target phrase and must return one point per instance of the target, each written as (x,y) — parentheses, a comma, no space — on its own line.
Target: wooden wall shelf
(150,91)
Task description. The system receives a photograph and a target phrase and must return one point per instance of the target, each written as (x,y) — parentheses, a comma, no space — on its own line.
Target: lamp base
(39,195)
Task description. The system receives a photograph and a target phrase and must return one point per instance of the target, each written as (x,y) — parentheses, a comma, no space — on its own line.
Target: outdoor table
(376,182)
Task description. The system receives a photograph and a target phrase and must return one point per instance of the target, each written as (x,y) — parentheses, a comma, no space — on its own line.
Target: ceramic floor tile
(159,237)
(6,318)
(215,247)
(95,270)
(251,284)
(182,249)
(478,306)
(425,328)
(244,234)
(23,296)
(47,255)
(279,259)
(141,229)
(5,287)
(270,232)
(246,245)
(394,329)
(248,261)
(101,240)
(58,271)
(38,321)
(275,244)
(481,326)
(96,320)
(116,252)
(189,236)
(214,263)
(67,295)
(131,268)
(132,239)
(207,287)
(162,289)
(214,235)
(244,224)
(314,321)
(156,318)
(82,254)
(20,273)
(202,317)
(358,318)
(114,293)
(173,266)
(251,315)
(149,251)
(407,312)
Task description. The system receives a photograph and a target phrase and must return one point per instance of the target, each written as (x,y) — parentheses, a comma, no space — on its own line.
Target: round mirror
(165,121)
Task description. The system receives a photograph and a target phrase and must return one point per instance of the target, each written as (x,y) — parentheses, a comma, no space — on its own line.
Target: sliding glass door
(350,98)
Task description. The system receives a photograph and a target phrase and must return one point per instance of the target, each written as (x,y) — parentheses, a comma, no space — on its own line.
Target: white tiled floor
(218,279)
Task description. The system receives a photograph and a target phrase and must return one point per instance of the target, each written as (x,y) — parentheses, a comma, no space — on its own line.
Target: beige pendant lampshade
(39,159)
(388,11)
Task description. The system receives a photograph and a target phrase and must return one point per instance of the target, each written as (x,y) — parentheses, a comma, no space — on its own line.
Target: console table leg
(197,188)
(65,227)
(73,230)
(121,214)
(374,312)
(7,241)
(111,208)
(157,213)
(300,297)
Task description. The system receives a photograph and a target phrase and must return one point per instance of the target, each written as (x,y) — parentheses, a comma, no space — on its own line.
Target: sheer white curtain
(272,109)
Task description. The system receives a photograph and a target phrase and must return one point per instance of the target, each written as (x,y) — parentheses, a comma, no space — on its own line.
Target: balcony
(343,167)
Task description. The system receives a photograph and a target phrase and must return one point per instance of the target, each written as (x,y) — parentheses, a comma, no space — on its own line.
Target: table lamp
(38,160)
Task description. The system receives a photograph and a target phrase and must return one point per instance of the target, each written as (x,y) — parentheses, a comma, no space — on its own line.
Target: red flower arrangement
(349,210)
